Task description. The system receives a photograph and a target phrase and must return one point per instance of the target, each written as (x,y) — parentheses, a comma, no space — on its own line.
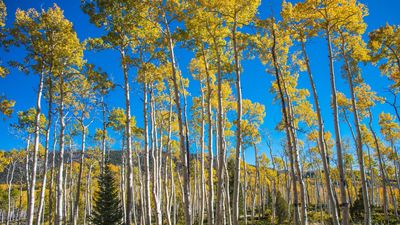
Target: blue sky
(255,81)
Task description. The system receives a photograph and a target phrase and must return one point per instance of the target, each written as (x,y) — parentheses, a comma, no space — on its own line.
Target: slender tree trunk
(203,185)
(167,195)
(52,175)
(220,137)
(296,159)
(156,175)
(160,162)
(142,195)
(187,134)
(173,192)
(395,165)
(258,189)
(344,204)
(46,156)
(238,128)
(90,192)
(60,203)
(69,187)
(147,158)
(304,217)
(227,198)
(169,152)
(287,128)
(75,206)
(338,138)
(86,209)
(372,202)
(185,154)
(27,171)
(274,191)
(31,205)
(103,136)
(244,189)
(128,133)
(210,211)
(253,199)
(123,182)
(367,209)
(195,196)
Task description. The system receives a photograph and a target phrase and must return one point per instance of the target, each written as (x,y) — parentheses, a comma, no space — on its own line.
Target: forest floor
(315,218)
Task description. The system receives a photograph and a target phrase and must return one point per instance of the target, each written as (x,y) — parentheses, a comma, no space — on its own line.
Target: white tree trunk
(46,159)
(60,178)
(183,141)
(31,202)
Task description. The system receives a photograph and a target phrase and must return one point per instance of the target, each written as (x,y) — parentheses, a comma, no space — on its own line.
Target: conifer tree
(107,209)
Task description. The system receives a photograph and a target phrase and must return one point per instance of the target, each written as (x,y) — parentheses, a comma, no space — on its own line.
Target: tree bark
(296,159)
(274,189)
(287,128)
(60,193)
(46,156)
(52,174)
(203,185)
(155,159)
(31,202)
(128,133)
(238,129)
(244,189)
(258,189)
(210,211)
(220,136)
(147,158)
(337,136)
(359,145)
(170,175)
(103,136)
(75,213)
(185,154)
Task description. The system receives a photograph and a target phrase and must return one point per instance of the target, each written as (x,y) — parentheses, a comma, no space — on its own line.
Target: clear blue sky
(255,81)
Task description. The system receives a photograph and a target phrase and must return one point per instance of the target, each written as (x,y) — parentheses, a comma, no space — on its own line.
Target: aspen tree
(300,21)
(198,66)
(42,34)
(237,14)
(47,143)
(353,50)
(275,56)
(27,32)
